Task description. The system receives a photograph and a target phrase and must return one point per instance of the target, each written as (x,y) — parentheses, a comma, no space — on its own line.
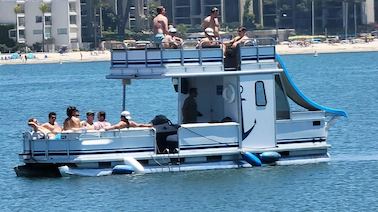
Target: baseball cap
(209,31)
(126,114)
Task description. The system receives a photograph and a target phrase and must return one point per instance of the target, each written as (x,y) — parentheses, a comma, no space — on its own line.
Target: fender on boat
(270,157)
(251,159)
(298,97)
(138,168)
(123,169)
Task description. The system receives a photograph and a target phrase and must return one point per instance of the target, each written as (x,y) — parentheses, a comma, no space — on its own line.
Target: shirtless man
(72,122)
(212,22)
(160,24)
(126,122)
(88,124)
(101,123)
(238,39)
(52,125)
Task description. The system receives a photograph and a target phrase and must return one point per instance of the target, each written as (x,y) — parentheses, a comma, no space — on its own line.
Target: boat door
(257,111)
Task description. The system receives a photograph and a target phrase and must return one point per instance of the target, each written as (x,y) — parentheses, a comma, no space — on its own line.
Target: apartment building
(58,26)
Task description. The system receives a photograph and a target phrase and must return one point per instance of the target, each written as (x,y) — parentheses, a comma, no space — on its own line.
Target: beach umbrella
(15,56)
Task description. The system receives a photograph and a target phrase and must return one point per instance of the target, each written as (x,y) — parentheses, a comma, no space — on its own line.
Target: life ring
(229,93)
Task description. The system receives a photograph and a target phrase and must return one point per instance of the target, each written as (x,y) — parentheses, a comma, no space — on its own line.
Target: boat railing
(69,143)
(257,49)
(149,55)
(129,55)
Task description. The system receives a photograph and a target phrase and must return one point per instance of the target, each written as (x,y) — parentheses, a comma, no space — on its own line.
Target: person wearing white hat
(126,122)
(209,39)
(171,40)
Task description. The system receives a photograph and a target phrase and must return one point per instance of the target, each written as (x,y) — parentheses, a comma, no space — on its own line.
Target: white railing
(76,143)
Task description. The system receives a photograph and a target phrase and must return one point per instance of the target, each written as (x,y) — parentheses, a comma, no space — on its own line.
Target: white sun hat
(172,30)
(126,114)
(209,31)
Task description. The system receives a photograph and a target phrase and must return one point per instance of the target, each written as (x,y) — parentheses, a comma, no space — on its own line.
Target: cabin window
(260,93)
(282,104)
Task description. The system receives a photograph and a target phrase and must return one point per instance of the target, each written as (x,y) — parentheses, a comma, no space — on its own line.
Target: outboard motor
(164,128)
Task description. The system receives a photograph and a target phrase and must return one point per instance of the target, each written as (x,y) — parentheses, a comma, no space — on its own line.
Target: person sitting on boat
(52,125)
(171,40)
(40,131)
(160,26)
(189,109)
(126,122)
(101,122)
(72,122)
(209,39)
(240,38)
(88,124)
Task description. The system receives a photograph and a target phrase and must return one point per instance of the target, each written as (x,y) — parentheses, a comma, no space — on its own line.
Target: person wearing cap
(212,22)
(209,39)
(40,131)
(171,40)
(88,124)
(126,122)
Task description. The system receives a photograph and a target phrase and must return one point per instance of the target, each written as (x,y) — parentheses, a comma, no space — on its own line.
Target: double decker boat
(247,101)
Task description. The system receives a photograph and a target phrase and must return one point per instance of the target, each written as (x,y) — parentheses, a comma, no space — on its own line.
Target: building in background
(193,12)
(58,27)
(315,16)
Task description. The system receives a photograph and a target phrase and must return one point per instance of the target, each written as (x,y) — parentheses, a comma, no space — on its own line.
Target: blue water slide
(298,97)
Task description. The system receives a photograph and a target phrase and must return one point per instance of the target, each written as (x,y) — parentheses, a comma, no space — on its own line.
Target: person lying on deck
(126,122)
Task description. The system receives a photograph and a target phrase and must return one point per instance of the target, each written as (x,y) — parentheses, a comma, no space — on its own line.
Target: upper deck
(151,62)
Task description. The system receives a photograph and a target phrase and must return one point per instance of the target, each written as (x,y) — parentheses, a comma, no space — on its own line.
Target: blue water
(348,183)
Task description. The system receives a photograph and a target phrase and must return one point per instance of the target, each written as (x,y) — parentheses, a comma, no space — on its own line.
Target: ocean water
(349,182)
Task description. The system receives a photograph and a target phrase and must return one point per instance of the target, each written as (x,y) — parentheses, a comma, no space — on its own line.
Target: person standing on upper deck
(160,27)
(212,22)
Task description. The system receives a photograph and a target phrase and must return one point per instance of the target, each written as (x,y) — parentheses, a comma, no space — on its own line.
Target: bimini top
(298,97)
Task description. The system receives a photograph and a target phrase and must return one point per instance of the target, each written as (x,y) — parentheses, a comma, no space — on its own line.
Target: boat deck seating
(91,142)
(157,61)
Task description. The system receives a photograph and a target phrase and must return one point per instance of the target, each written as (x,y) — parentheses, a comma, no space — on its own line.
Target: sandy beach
(91,56)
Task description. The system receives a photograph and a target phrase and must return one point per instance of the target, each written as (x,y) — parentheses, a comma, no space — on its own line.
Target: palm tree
(17,10)
(44,8)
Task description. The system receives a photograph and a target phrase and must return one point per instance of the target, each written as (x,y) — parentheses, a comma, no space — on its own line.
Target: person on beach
(101,122)
(126,122)
(160,25)
(40,131)
(71,122)
(52,125)
(88,124)
(212,22)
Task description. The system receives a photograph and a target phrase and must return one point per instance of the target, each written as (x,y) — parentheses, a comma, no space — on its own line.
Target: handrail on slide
(309,104)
